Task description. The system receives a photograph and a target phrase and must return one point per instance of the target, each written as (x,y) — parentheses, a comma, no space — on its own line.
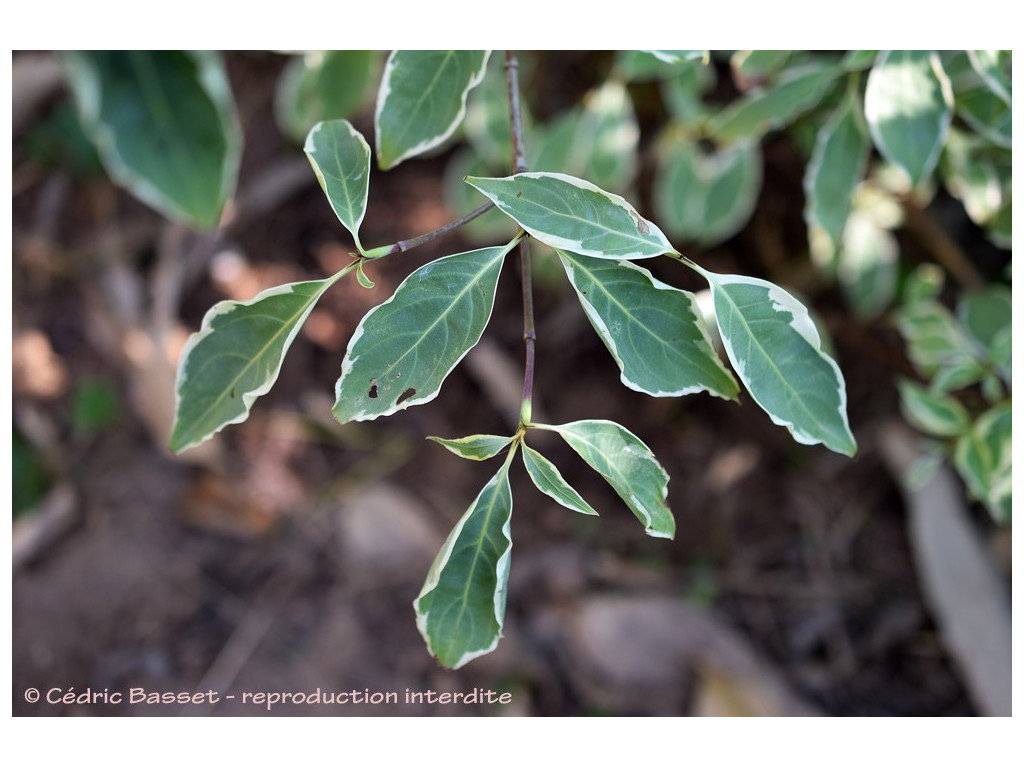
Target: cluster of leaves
(708,176)
(954,352)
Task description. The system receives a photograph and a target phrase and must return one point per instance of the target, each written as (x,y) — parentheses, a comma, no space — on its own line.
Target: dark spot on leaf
(373,391)
(233,395)
(405,396)
(519,194)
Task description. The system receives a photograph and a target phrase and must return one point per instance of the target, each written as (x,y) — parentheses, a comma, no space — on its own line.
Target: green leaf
(549,480)
(490,227)
(422,100)
(983,457)
(461,608)
(655,332)
(972,176)
(682,92)
(1002,353)
(855,61)
(923,284)
(236,356)
(340,158)
(629,467)
(987,114)
(165,126)
(322,85)
(775,348)
(867,265)
(763,110)
(752,67)
(995,68)
(935,413)
(936,341)
(597,142)
(569,213)
(986,312)
(475,447)
(707,197)
(608,133)
(909,105)
(644,66)
(402,350)
(836,167)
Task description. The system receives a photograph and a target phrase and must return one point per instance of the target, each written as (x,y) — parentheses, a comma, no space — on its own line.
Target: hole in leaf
(373,391)
(405,396)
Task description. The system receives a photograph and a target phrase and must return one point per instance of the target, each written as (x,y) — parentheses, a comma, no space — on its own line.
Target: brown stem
(938,242)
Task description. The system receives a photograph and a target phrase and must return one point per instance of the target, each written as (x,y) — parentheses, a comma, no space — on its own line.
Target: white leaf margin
(502,567)
(428,144)
(800,321)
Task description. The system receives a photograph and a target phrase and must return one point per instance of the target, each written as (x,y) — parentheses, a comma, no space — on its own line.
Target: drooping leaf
(908,106)
(775,349)
(322,85)
(707,197)
(867,265)
(655,332)
(236,356)
(984,458)
(461,608)
(422,100)
(765,109)
(629,467)
(402,350)
(475,447)
(836,167)
(165,126)
(569,213)
(549,480)
(935,413)
(340,158)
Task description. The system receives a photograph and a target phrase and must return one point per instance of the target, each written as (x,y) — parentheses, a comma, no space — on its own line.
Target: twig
(407,245)
(526,269)
(938,242)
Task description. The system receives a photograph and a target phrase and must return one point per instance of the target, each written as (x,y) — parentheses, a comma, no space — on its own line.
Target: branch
(407,245)
(519,166)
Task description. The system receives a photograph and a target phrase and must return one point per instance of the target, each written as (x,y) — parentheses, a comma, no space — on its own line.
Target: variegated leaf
(629,467)
(776,350)
(574,215)
(655,332)
(549,481)
(404,349)
(422,100)
(236,356)
(461,609)
(340,158)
